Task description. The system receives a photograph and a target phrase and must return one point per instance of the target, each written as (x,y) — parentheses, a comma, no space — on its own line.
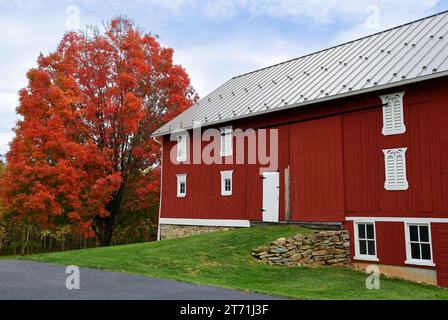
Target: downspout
(161,179)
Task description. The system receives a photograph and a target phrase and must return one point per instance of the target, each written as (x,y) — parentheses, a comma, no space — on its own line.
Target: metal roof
(409,53)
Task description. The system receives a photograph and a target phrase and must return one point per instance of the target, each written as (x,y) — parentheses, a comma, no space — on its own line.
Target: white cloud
(8,102)
(20,4)
(390,14)
(220,9)
(22,38)
(211,64)
(318,11)
(5,139)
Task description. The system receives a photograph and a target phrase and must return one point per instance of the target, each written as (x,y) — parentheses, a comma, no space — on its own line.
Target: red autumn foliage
(82,153)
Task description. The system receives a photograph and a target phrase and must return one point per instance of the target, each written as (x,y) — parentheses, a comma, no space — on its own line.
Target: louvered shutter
(400,170)
(181,148)
(226,141)
(393,115)
(395,168)
(390,170)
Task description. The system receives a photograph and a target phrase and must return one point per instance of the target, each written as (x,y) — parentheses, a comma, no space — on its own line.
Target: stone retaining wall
(319,248)
(168,231)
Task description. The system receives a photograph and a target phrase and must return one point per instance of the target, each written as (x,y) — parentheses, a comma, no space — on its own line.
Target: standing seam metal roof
(409,53)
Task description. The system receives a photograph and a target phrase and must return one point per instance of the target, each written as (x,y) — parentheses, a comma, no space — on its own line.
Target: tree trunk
(106,225)
(106,230)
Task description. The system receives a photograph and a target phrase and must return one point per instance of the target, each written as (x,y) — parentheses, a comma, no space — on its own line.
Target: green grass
(7,257)
(223,259)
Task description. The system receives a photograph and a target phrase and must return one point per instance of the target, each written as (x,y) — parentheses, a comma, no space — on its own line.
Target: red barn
(354,137)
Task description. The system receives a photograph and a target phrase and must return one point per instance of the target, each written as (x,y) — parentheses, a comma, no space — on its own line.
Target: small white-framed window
(393,114)
(226,141)
(395,169)
(181,147)
(365,241)
(418,244)
(181,185)
(226,183)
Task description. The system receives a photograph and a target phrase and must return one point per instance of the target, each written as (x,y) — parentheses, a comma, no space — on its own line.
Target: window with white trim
(365,241)
(181,148)
(181,185)
(226,183)
(393,114)
(418,244)
(395,169)
(226,141)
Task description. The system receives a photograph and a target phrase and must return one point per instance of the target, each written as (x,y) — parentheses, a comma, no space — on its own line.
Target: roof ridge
(340,45)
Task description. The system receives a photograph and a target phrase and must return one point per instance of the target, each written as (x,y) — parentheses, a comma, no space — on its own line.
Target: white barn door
(271,194)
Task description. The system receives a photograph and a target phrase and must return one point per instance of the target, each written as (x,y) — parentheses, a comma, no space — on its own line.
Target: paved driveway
(32,280)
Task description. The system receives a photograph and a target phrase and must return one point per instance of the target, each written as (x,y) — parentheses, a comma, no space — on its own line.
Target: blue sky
(213,40)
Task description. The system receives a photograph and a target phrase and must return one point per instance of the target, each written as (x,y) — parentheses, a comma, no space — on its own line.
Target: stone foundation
(169,231)
(317,249)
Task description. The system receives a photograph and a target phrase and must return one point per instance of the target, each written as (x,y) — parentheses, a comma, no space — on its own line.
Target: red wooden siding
(204,200)
(337,164)
(391,244)
(254,182)
(440,244)
(317,171)
(363,162)
(426,138)
(337,170)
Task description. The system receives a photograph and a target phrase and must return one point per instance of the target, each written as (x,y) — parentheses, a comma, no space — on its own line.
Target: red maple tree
(82,153)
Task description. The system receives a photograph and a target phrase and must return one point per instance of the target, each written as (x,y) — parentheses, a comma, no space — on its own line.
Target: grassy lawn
(223,259)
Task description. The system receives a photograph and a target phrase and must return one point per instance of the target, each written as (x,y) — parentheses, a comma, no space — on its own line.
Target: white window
(181,148)
(365,241)
(395,167)
(226,141)
(393,115)
(418,244)
(226,183)
(181,185)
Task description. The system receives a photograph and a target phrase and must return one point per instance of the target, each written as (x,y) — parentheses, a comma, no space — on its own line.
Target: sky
(212,40)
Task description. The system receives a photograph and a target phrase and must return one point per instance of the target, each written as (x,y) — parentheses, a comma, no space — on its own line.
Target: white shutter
(226,141)
(393,115)
(401,170)
(181,148)
(395,168)
(223,143)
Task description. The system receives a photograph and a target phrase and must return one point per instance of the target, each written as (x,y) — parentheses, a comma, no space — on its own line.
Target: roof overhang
(316,101)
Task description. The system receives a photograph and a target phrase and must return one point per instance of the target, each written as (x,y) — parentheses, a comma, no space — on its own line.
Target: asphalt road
(41,281)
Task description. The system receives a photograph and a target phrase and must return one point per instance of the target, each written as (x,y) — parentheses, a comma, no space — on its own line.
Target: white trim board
(398,219)
(206,222)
